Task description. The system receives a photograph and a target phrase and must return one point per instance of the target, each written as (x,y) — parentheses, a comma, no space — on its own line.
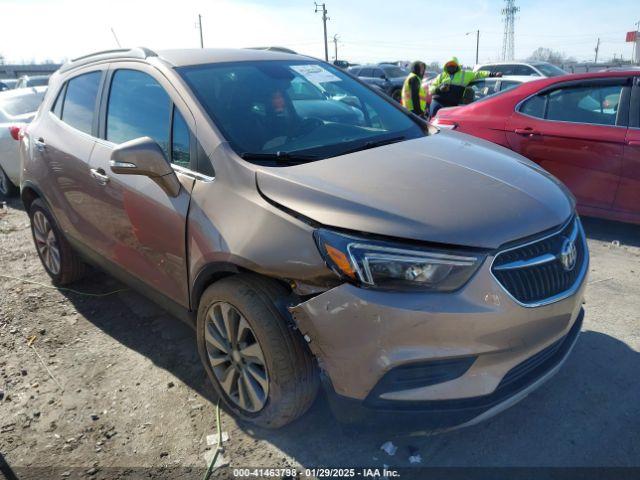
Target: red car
(584,129)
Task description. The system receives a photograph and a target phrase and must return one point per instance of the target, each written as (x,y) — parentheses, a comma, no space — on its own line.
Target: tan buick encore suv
(308,228)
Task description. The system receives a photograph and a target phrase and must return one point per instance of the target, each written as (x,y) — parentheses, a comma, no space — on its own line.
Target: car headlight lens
(385,265)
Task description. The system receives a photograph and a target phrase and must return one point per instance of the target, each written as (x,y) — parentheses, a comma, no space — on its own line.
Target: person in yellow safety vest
(414,97)
(448,88)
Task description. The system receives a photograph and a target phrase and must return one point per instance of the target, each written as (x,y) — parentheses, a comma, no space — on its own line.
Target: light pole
(335,44)
(477,32)
(200,27)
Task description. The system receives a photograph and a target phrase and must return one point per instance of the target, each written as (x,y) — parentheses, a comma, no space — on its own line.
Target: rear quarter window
(534,107)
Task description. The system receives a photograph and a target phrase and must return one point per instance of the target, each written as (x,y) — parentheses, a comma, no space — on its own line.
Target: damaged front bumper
(459,357)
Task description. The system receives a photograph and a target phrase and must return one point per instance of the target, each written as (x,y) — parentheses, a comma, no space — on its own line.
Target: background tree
(543,54)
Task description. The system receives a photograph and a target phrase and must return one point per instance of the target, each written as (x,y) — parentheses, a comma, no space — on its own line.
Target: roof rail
(138,52)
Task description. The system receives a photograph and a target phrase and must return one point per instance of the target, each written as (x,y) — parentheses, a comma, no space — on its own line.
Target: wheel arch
(215,271)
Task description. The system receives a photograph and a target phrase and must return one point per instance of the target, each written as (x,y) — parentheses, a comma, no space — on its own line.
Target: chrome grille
(534,273)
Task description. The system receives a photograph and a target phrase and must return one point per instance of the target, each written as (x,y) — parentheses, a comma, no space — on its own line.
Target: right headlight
(391,266)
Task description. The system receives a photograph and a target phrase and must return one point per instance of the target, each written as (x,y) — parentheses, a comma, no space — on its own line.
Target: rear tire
(58,258)
(280,369)
(7,188)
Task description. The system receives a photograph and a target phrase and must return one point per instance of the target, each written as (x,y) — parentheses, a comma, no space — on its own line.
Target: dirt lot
(129,392)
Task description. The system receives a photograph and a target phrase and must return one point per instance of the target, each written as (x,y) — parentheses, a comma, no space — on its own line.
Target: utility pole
(477,32)
(116,37)
(335,44)
(200,28)
(597,49)
(324,23)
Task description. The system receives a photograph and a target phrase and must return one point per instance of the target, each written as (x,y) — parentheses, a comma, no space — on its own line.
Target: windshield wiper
(286,158)
(373,144)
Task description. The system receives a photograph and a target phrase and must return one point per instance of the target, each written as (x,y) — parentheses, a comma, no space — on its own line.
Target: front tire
(258,364)
(7,188)
(58,258)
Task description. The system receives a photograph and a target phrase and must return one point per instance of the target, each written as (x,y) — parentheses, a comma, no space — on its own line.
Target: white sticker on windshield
(315,73)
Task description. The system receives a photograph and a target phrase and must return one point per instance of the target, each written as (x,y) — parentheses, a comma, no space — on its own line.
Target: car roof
(199,56)
(519,78)
(182,57)
(513,63)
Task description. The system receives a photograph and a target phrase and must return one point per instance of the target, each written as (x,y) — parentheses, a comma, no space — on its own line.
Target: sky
(367,31)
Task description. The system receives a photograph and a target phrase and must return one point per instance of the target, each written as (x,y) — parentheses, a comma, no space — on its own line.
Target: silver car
(17,108)
(410,269)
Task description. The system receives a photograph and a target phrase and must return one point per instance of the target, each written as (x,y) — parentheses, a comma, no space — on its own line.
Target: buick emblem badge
(568,255)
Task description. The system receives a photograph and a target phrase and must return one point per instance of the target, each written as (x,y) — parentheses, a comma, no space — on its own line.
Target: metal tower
(509,13)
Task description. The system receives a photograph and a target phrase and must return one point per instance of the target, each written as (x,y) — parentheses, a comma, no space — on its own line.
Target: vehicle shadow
(610,231)
(585,416)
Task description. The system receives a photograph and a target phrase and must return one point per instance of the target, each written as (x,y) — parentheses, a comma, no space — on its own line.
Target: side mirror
(143,156)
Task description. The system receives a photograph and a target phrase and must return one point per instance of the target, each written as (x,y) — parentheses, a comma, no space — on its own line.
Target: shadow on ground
(585,416)
(608,231)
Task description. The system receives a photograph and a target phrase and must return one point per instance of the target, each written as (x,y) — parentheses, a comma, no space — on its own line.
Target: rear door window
(366,72)
(80,101)
(595,105)
(589,104)
(138,107)
(524,70)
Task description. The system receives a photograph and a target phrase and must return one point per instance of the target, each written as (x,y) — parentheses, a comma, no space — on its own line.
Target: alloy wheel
(46,242)
(236,357)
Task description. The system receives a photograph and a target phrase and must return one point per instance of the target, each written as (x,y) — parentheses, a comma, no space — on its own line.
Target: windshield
(304,108)
(550,70)
(22,104)
(394,72)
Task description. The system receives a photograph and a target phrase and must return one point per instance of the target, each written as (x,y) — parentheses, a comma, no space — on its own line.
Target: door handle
(40,143)
(634,143)
(526,131)
(99,175)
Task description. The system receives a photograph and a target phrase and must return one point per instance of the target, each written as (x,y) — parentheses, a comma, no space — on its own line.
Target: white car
(526,69)
(17,109)
(484,87)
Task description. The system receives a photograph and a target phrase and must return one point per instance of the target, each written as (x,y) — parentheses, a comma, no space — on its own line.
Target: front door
(145,227)
(577,133)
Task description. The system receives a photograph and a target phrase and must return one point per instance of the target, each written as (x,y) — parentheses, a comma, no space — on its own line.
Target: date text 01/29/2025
(316,473)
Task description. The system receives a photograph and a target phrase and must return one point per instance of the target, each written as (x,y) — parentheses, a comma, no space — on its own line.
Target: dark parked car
(388,77)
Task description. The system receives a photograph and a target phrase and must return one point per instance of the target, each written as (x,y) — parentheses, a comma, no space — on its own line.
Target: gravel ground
(112,387)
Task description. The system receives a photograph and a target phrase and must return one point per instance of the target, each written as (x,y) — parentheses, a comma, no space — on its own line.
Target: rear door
(577,132)
(64,138)
(145,228)
(628,197)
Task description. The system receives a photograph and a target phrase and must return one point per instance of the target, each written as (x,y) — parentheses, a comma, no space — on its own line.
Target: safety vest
(407,101)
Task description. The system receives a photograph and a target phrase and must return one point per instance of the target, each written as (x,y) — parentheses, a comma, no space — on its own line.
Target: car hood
(447,188)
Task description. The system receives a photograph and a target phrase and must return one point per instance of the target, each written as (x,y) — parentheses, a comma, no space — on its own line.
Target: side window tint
(534,106)
(57,106)
(80,101)
(180,141)
(138,107)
